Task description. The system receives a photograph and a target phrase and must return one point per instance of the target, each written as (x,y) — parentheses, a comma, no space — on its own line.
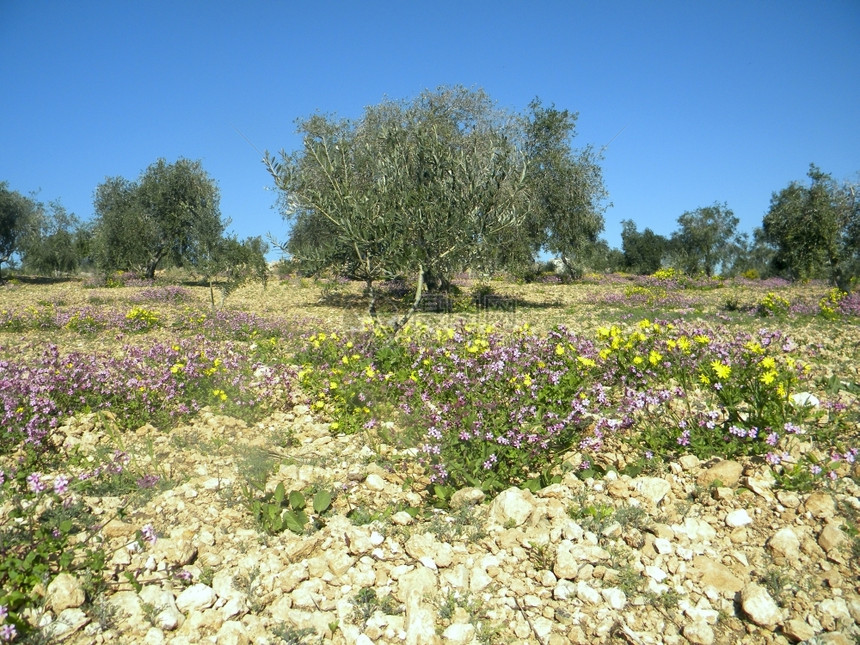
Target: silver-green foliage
(429,187)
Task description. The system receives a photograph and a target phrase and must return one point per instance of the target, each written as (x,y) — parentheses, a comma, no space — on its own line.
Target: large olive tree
(815,229)
(170,211)
(431,186)
(17,213)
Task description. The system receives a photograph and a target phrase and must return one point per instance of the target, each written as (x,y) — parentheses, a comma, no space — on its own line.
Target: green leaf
(294,522)
(65,526)
(322,501)
(280,493)
(297,500)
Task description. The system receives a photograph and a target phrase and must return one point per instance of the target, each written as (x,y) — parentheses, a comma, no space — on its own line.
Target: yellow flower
(335,425)
(768,377)
(220,394)
(702,339)
(722,371)
(768,362)
(559,350)
(604,353)
(684,344)
(586,362)
(176,368)
(754,347)
(644,324)
(527,380)
(345,360)
(370,372)
(671,344)
(637,360)
(704,379)
(654,357)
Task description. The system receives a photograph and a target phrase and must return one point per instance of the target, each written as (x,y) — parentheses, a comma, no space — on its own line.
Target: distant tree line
(169,216)
(810,231)
(423,189)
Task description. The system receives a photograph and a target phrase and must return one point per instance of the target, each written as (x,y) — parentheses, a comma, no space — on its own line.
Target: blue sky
(717,101)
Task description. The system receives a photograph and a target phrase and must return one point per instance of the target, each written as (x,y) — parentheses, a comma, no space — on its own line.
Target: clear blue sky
(718,101)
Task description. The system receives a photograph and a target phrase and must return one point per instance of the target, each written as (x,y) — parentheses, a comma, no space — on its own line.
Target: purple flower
(34,481)
(772,439)
(8,633)
(815,469)
(148,533)
(61,484)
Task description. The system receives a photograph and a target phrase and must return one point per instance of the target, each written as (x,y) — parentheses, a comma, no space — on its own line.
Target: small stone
(788,498)
(654,489)
(831,537)
(402,518)
(727,472)
(699,633)
(67,623)
(722,493)
(697,530)
(805,399)
(797,630)
(64,592)
(195,598)
(513,505)
(459,634)
(760,607)
(688,462)
(737,518)
(375,482)
(614,597)
(587,593)
(466,497)
(785,543)
(820,505)
(717,575)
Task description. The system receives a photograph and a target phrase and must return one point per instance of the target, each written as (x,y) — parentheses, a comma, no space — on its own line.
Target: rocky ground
(702,553)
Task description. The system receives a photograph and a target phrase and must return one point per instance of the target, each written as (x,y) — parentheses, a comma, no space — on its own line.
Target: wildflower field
(615,373)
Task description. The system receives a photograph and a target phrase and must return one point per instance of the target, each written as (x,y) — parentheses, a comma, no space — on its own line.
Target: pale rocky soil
(731,562)
(699,553)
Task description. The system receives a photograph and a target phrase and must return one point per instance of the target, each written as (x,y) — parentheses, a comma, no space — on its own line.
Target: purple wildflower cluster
(140,384)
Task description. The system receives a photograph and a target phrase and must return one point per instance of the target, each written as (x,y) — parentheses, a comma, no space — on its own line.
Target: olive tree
(815,229)
(643,251)
(707,239)
(425,188)
(567,196)
(55,242)
(432,186)
(168,212)
(17,213)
